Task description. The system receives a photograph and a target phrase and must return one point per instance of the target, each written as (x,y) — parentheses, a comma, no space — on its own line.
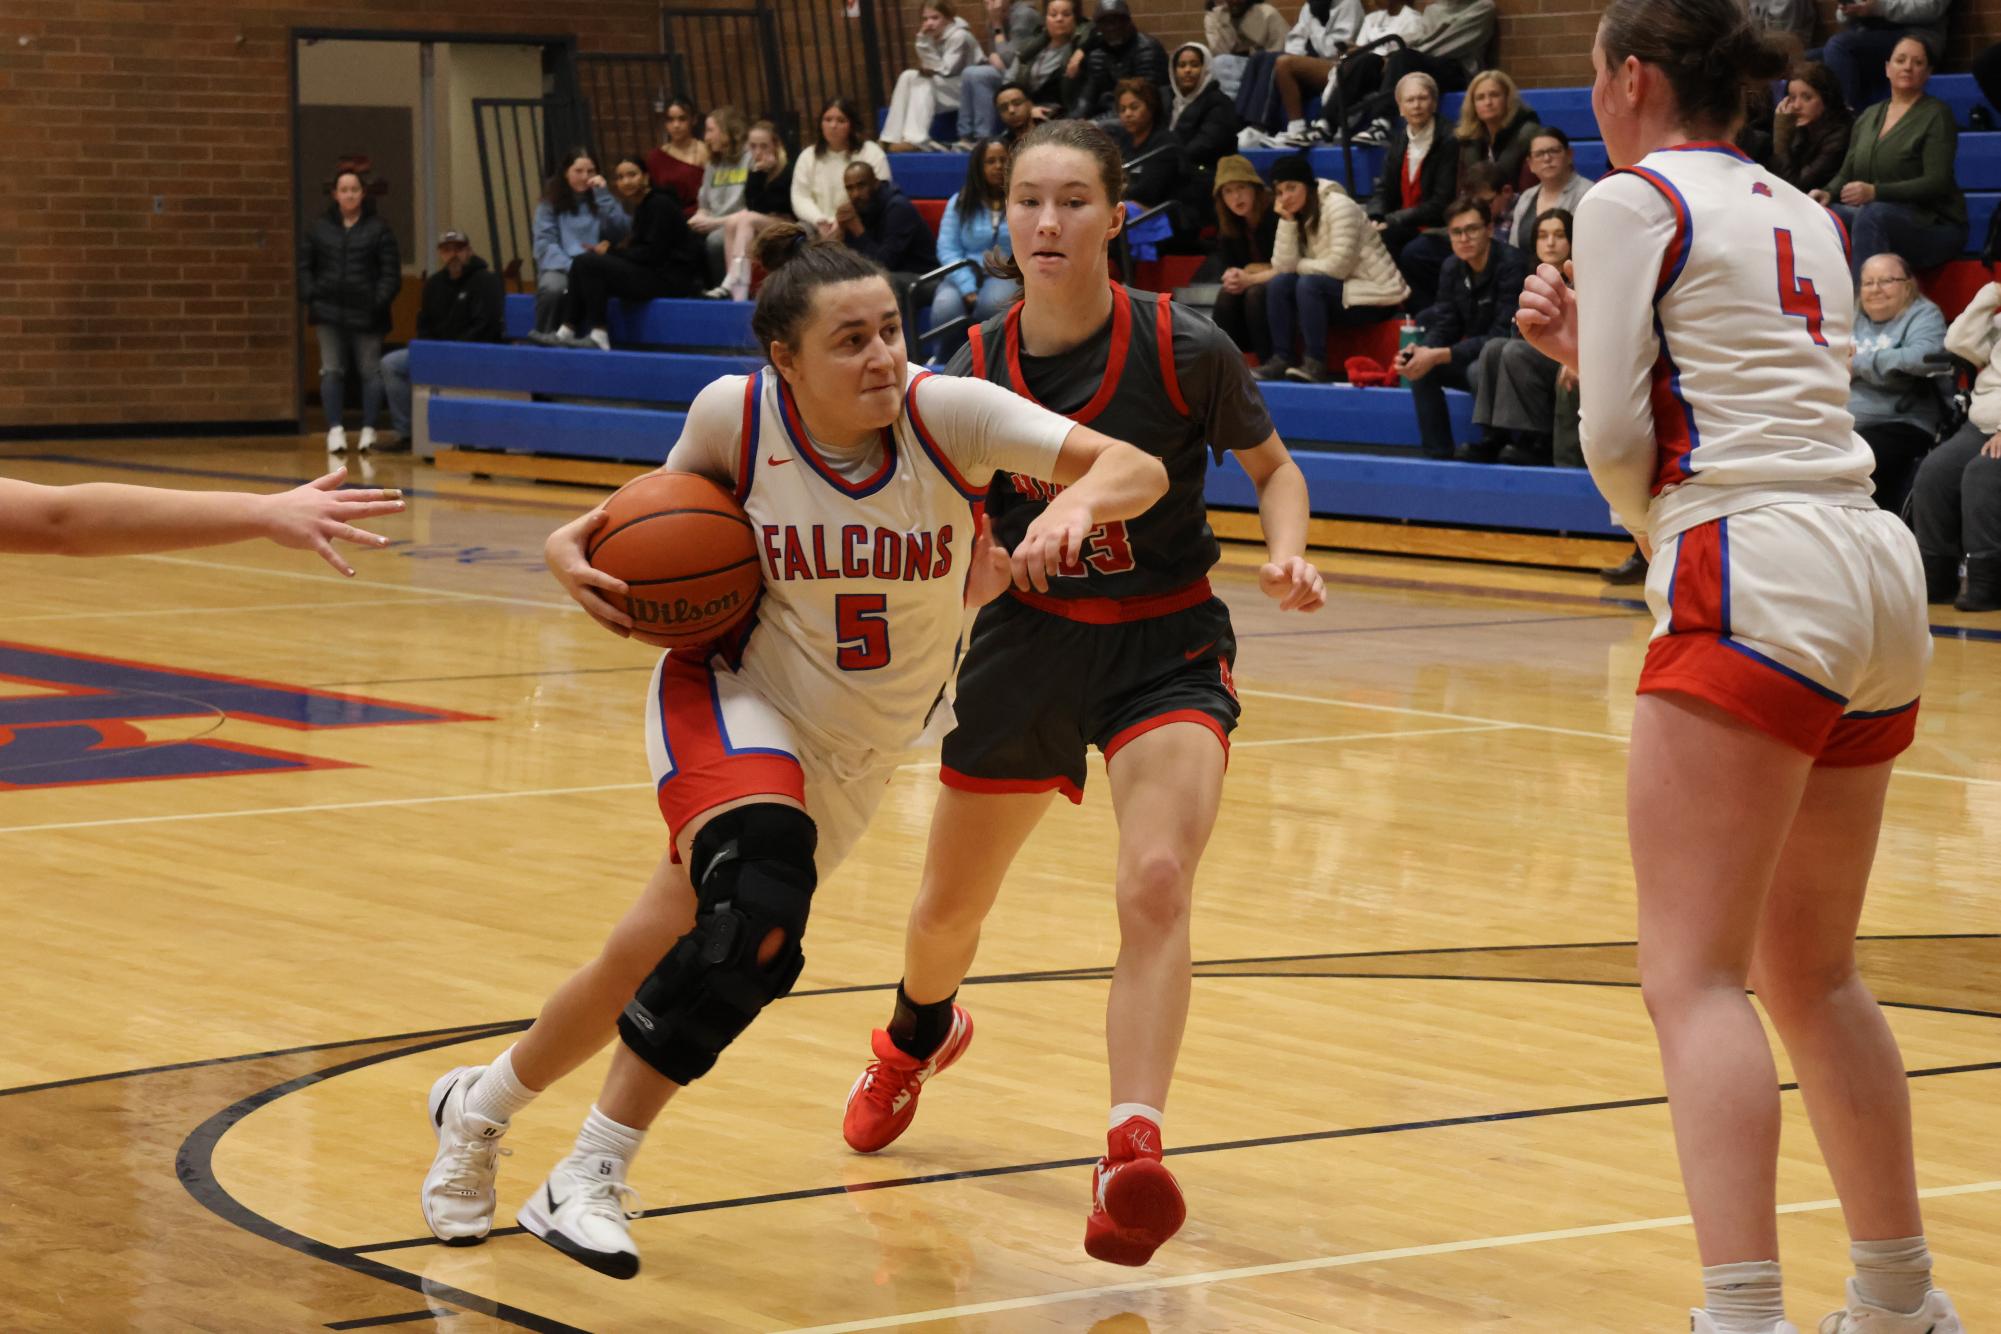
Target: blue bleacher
(696,325)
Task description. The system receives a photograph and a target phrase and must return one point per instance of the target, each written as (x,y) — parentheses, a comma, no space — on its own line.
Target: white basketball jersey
(1716,313)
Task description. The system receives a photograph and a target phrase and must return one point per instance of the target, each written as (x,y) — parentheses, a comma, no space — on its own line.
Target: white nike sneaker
(458,1199)
(1936,1316)
(1700,1323)
(582,1210)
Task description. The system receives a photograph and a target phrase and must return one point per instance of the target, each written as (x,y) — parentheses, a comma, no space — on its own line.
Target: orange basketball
(685,549)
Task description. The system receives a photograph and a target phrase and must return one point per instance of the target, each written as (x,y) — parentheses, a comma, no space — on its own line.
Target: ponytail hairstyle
(1085,137)
(1707,49)
(796,265)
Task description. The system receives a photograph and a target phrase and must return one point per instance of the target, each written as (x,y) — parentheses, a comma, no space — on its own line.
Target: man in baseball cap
(464,302)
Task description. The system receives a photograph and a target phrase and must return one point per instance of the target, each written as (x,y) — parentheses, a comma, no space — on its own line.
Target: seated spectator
(1246,232)
(975,221)
(1424,258)
(1893,393)
(1810,132)
(1956,503)
(1478,290)
(1140,134)
(946,48)
(1050,67)
(349,272)
(1496,126)
(767,198)
(1515,400)
(818,180)
(1332,272)
(1205,122)
(1011,26)
(1557,185)
(1416,183)
(1449,47)
(1114,50)
(724,181)
(677,164)
(878,221)
(577,215)
(661,258)
(1016,111)
(1869,33)
(1361,74)
(1793,18)
(1243,27)
(464,302)
(1323,34)
(1895,190)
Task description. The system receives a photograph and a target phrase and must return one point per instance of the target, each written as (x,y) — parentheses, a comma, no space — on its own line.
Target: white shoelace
(472,1163)
(611,1200)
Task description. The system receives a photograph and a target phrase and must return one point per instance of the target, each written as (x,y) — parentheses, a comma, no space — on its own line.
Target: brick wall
(114,312)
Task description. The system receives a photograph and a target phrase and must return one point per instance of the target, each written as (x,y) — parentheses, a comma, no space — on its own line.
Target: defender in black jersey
(1127,649)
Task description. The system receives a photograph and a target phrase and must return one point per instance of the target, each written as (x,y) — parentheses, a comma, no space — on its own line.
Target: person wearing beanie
(1246,231)
(1332,271)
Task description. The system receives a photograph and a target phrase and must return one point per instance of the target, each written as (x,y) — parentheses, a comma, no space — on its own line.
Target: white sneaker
(1700,1323)
(458,1198)
(1936,1316)
(336,440)
(367,441)
(582,1210)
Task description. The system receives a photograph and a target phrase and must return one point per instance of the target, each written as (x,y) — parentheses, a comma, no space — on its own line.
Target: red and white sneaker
(883,1101)
(1135,1204)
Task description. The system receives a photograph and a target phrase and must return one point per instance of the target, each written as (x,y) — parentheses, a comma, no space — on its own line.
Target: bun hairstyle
(796,265)
(1708,49)
(1085,137)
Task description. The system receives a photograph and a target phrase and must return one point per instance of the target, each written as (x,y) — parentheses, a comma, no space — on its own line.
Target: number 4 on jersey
(1797,295)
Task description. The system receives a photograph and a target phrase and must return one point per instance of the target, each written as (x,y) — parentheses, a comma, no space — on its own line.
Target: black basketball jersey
(1159,377)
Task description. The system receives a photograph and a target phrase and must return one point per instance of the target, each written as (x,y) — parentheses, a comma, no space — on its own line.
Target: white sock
(1122,1112)
(603,1137)
(1744,1298)
(601,338)
(498,1094)
(565,331)
(1295,126)
(1893,1275)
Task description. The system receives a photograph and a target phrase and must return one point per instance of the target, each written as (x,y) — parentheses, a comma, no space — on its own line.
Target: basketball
(684,548)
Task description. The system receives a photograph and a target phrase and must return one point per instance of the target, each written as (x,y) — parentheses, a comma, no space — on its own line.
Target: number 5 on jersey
(1797,296)
(861,624)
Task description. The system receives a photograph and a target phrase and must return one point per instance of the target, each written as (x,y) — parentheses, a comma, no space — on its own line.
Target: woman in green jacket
(1895,190)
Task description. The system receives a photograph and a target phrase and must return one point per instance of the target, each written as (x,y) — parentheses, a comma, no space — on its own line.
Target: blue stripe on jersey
(723,731)
(1684,229)
(1723,560)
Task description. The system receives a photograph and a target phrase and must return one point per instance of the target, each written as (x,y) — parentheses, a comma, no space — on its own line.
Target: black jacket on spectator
(1059,90)
(1141,58)
(661,237)
(894,234)
(468,309)
(1208,128)
(349,275)
(1472,308)
(1508,150)
(1158,178)
(1253,247)
(1437,182)
(1807,159)
(771,197)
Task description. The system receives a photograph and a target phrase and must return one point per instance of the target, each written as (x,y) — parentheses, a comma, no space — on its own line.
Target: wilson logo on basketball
(680,611)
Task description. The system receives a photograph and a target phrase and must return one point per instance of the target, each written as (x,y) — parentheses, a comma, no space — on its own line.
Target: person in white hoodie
(1332,271)
(1325,30)
(819,185)
(946,46)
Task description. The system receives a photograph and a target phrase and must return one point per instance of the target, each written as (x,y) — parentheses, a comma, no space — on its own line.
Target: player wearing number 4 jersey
(771,751)
(1710,330)
(1126,649)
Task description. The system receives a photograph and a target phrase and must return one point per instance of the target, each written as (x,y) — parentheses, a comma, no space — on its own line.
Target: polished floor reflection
(277,847)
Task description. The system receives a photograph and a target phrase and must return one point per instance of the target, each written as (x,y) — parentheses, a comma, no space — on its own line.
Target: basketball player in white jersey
(772,749)
(1710,330)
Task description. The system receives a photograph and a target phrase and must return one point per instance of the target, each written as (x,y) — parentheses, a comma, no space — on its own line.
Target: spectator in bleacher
(627,187)
(946,49)
(1895,190)
(1810,132)
(1050,67)
(676,165)
(1332,272)
(464,302)
(974,222)
(1324,32)
(724,181)
(1416,182)
(1015,110)
(878,221)
(1246,233)
(1795,18)
(1516,402)
(1361,74)
(1141,133)
(1205,121)
(819,179)
(1478,290)
(349,272)
(1894,393)
(767,198)
(577,215)
(1424,258)
(1114,50)
(1868,36)
(1754,133)
(1557,185)
(1011,26)
(1450,47)
(1956,503)
(1496,126)
(1243,27)
(662,257)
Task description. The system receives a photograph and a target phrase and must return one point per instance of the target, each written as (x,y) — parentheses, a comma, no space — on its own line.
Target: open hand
(595,591)
(312,517)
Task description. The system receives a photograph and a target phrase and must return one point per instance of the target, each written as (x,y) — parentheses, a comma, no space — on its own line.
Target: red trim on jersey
(1140,729)
(747,449)
(707,772)
(978,342)
(1676,256)
(1703,664)
(1116,611)
(1841,228)
(1164,335)
(1870,738)
(1673,441)
(967,783)
(1115,360)
(929,444)
(1695,592)
(802,444)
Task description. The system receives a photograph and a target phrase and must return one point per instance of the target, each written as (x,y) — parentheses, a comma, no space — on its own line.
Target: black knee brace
(753,873)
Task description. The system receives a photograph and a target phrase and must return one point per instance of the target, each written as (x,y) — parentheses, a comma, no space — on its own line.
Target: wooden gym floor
(248,924)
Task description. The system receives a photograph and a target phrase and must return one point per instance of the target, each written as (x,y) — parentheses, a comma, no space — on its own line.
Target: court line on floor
(1437,625)
(413,599)
(547,604)
(1327,1262)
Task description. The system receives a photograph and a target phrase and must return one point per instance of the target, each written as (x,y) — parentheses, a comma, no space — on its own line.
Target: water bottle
(1408,336)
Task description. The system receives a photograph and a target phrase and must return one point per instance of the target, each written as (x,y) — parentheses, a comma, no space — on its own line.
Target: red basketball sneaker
(883,1101)
(1135,1204)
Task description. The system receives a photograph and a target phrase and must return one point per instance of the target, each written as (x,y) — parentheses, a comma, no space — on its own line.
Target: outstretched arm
(1287,577)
